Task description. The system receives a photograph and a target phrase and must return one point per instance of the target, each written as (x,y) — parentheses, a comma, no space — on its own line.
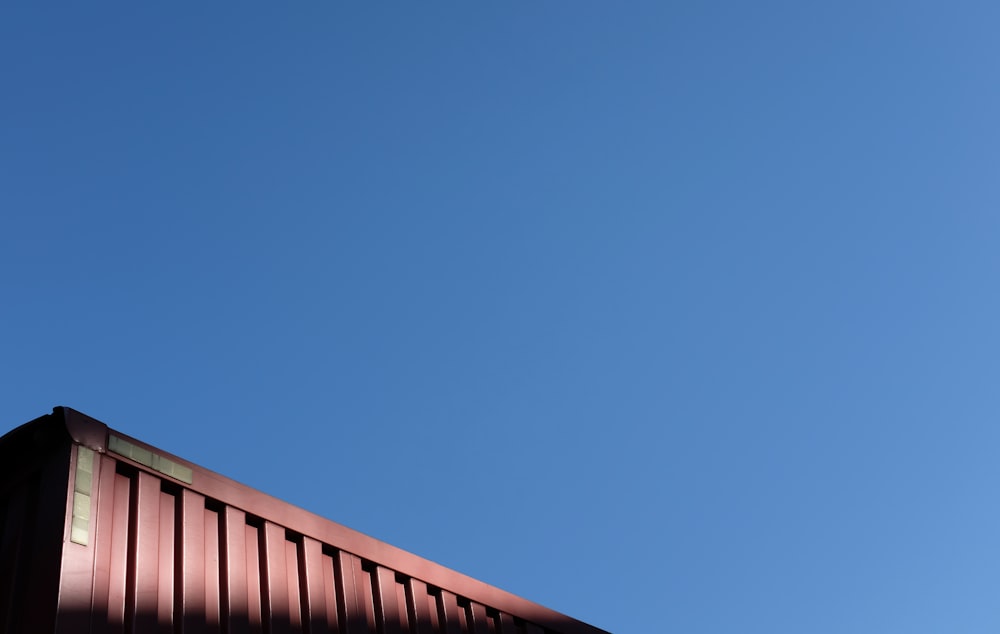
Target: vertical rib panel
(449,617)
(192,558)
(387,608)
(104,520)
(478,621)
(312,587)
(213,587)
(423,617)
(166,565)
(119,569)
(292,583)
(330,592)
(401,601)
(274,593)
(144,557)
(366,595)
(255,608)
(235,604)
(348,579)
(507,624)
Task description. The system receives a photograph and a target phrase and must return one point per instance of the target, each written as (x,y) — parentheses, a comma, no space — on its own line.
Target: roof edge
(83,429)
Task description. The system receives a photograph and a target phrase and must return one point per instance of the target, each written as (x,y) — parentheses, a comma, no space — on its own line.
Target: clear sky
(675,317)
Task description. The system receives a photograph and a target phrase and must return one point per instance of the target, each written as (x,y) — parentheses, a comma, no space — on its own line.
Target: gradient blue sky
(675,317)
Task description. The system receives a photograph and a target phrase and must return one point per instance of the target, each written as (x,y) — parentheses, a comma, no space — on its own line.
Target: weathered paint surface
(162,545)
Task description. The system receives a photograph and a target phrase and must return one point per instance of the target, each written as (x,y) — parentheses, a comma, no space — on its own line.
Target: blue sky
(675,317)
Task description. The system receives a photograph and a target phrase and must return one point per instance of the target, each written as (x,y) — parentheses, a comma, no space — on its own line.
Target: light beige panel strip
(83,483)
(149,459)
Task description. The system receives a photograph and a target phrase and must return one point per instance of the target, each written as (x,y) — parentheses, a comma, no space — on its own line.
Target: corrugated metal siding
(173,557)
(156,555)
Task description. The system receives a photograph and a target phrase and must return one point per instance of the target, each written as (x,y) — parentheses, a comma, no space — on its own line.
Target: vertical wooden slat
(387,608)
(145,554)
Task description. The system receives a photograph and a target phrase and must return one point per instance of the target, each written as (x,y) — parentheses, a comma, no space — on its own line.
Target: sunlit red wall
(130,539)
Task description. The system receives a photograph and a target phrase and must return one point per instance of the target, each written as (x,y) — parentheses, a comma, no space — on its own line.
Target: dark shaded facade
(101,533)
